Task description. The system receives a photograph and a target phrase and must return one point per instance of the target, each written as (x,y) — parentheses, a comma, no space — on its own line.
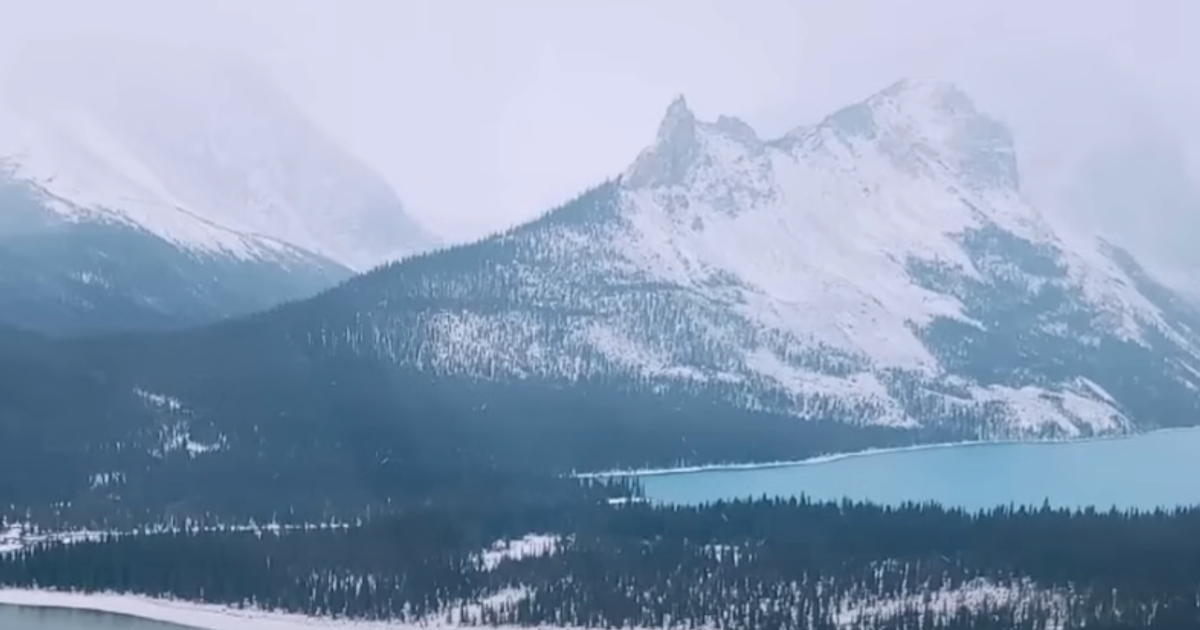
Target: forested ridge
(226,424)
(746,564)
(373,395)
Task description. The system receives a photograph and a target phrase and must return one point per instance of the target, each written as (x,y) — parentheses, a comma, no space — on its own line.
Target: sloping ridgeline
(100,274)
(251,419)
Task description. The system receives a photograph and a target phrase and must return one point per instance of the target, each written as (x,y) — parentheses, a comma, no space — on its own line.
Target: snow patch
(162,401)
(1069,413)
(21,535)
(211,617)
(858,611)
(106,480)
(530,545)
(177,437)
(853,611)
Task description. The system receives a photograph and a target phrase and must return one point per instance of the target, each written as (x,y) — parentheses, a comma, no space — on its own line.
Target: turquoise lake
(1160,469)
(23,618)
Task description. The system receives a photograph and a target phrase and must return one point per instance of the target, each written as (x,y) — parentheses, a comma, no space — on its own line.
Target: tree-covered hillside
(229,421)
(749,564)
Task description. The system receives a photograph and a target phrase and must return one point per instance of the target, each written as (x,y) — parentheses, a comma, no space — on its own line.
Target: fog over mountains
(172,185)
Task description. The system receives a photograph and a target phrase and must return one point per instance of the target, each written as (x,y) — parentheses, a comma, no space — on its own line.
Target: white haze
(482,114)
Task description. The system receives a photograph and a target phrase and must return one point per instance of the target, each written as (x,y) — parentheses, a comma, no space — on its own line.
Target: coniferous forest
(758,564)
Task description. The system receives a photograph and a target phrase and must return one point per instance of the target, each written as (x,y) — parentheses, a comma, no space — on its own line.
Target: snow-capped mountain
(880,267)
(200,153)
(876,279)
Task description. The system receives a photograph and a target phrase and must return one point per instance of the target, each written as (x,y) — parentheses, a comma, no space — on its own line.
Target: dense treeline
(747,564)
(266,432)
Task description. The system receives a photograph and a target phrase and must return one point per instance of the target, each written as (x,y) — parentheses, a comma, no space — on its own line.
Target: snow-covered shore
(188,614)
(870,452)
(849,614)
(18,535)
(213,617)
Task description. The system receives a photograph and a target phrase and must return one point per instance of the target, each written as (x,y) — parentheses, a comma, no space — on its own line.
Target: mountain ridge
(161,136)
(830,292)
(168,187)
(653,250)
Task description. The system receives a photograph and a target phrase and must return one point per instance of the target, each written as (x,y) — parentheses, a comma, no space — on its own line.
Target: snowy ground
(945,602)
(210,617)
(857,610)
(524,547)
(10,539)
(18,536)
(204,616)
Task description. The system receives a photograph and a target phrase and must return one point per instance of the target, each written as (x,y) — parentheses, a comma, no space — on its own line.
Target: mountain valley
(875,279)
(429,316)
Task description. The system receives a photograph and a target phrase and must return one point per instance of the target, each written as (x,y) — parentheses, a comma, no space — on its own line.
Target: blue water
(1159,469)
(23,618)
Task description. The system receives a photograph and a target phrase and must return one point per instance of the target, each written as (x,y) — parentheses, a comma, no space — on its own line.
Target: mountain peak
(932,105)
(675,149)
(935,94)
(915,107)
(678,120)
(911,118)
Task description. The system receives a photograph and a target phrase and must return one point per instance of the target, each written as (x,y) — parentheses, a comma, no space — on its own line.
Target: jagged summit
(910,103)
(675,150)
(879,266)
(679,121)
(684,145)
(925,94)
(739,130)
(921,126)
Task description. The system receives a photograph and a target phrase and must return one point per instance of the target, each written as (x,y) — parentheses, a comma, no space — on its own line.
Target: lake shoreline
(190,615)
(836,457)
(193,615)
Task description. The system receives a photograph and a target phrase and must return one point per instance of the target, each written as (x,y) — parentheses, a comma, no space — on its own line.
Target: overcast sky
(483,113)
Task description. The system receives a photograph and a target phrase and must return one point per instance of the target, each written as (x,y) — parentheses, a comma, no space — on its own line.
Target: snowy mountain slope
(879,267)
(66,275)
(199,149)
(873,280)
(163,188)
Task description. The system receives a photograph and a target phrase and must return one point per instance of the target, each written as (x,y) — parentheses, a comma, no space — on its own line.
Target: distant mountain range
(874,279)
(152,189)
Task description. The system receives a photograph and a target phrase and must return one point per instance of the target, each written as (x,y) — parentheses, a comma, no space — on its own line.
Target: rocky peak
(675,149)
(683,143)
(918,123)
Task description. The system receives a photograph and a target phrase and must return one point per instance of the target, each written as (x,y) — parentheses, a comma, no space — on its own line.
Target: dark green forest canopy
(306,440)
(743,564)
